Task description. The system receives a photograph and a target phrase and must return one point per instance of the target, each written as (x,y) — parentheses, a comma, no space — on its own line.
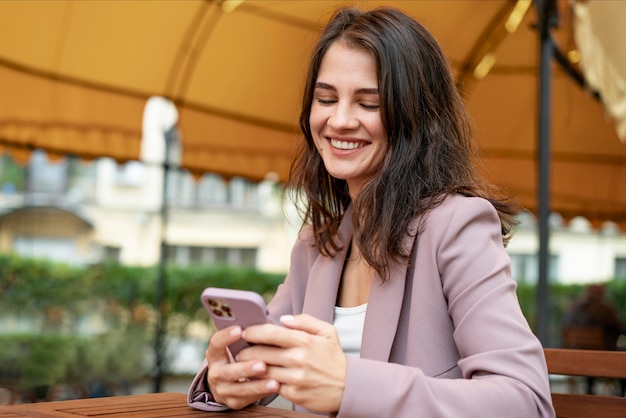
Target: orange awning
(74,78)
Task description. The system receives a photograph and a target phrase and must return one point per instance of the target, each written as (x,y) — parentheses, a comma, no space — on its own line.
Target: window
(230,256)
(525,267)
(130,174)
(243,193)
(180,188)
(620,268)
(211,190)
(56,249)
(110,253)
(82,181)
(46,176)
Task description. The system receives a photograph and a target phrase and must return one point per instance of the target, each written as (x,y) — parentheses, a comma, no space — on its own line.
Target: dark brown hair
(431,151)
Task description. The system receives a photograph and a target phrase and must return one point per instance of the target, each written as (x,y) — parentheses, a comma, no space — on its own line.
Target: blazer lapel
(384,307)
(325,275)
(383,314)
(384,303)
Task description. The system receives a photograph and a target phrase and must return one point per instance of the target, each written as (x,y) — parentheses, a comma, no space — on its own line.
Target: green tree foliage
(54,297)
(45,339)
(11,174)
(561,297)
(36,286)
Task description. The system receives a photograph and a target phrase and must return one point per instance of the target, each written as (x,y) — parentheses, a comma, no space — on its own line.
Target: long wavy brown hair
(431,150)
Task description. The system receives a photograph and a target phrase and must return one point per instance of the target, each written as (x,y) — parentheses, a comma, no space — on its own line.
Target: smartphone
(234,307)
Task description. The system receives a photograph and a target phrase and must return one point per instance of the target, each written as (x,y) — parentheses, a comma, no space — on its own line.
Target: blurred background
(144,144)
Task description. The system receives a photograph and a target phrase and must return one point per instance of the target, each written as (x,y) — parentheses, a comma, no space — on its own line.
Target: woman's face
(345,116)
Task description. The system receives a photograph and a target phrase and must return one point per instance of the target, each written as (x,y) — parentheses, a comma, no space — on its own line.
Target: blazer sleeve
(501,362)
(288,299)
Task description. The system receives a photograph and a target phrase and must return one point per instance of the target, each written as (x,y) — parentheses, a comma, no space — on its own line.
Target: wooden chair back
(583,337)
(596,363)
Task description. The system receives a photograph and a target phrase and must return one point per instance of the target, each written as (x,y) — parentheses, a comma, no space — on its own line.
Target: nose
(343,117)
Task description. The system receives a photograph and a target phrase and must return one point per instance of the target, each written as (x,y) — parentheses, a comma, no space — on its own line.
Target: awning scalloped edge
(58,139)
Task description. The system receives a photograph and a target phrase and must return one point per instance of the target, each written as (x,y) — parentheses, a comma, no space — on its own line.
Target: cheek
(316,124)
(316,120)
(377,131)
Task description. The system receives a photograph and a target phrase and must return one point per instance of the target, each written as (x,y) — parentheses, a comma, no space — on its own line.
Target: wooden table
(155,405)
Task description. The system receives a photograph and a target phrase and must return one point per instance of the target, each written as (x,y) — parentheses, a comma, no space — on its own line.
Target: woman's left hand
(305,356)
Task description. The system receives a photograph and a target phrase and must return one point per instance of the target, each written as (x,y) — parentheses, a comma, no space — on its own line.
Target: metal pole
(161,285)
(545,10)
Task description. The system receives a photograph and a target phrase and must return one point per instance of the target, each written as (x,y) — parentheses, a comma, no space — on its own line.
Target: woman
(399,300)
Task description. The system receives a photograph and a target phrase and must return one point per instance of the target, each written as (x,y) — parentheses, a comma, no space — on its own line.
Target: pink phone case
(234,307)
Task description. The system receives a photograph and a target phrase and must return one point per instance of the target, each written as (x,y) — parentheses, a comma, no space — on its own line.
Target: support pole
(161,285)
(545,9)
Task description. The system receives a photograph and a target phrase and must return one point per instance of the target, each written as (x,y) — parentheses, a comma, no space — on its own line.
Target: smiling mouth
(347,145)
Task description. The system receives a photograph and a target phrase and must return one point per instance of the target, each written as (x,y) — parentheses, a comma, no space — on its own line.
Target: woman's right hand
(234,384)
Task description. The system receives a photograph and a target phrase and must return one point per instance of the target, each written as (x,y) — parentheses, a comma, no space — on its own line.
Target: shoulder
(457,221)
(456,209)
(454,203)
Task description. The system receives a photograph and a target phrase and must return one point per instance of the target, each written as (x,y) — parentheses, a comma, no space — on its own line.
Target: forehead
(348,62)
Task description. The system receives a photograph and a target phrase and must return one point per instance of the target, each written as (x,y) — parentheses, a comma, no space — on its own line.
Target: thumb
(218,352)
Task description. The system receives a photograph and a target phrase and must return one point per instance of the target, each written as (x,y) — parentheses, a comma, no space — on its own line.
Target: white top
(349,324)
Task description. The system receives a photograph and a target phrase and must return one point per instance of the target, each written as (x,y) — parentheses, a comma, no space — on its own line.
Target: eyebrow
(325,86)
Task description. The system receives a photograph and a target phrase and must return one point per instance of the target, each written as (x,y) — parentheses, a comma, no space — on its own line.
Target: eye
(324,101)
(370,106)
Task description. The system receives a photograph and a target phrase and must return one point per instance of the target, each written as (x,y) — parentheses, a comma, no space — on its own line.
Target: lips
(346,145)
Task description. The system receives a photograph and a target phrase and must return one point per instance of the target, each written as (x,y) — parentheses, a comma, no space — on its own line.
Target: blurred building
(82,212)
(578,252)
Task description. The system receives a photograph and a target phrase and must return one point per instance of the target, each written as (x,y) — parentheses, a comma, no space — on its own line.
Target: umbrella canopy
(75,77)
(600,36)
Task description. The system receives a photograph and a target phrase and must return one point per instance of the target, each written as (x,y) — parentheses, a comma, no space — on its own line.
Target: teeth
(345,144)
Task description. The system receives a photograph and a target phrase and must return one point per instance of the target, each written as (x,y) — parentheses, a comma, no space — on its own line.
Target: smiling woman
(345,118)
(401,258)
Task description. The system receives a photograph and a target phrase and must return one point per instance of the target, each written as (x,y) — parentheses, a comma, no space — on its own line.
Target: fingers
(304,355)
(235,384)
(285,336)
(217,351)
(308,324)
(241,394)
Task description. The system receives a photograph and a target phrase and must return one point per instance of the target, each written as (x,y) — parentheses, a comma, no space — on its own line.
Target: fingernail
(286,318)
(258,367)
(235,332)
(271,385)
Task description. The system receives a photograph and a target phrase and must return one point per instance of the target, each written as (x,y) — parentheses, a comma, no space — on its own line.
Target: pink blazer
(444,337)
